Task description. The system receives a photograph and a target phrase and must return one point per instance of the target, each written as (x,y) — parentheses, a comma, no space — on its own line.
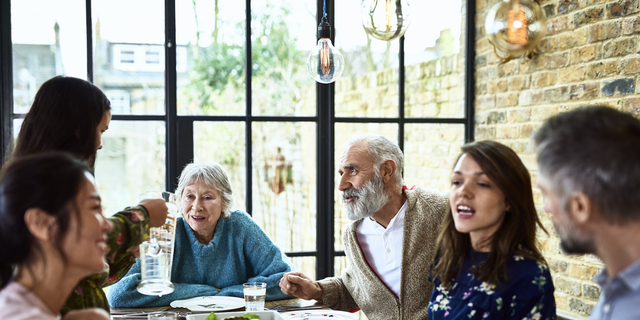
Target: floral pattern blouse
(528,294)
(130,228)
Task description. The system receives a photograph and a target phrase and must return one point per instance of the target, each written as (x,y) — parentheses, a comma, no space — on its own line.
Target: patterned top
(130,228)
(528,294)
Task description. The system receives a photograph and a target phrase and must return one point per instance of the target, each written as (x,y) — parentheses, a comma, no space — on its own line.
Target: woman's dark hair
(517,233)
(64,117)
(49,182)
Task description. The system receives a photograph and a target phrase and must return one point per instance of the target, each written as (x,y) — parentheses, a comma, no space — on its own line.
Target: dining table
(285,305)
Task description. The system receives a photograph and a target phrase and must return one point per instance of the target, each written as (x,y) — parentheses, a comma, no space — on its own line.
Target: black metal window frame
(179,129)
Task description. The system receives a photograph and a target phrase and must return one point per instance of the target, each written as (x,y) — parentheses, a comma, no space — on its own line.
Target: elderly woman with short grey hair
(217,248)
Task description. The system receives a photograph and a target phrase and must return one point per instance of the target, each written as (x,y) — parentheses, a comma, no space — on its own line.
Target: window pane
(49,39)
(131,162)
(128,58)
(306,265)
(343,132)
(210,54)
(368,86)
(434,60)
(429,152)
(224,143)
(282,34)
(284,182)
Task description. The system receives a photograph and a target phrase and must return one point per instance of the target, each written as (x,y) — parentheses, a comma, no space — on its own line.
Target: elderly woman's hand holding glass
(217,249)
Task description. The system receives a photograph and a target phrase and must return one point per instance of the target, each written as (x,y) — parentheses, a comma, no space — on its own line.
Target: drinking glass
(254,295)
(156,255)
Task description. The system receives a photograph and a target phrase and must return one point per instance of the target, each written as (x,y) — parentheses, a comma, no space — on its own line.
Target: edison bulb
(325,62)
(515,26)
(385,19)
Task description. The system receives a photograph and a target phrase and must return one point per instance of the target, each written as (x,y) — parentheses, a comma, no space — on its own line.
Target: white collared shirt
(383,247)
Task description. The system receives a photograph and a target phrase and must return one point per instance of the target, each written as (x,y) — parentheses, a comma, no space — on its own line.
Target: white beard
(367,200)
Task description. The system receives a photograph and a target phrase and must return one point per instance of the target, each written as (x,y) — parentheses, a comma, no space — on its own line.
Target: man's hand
(86,314)
(297,284)
(157,210)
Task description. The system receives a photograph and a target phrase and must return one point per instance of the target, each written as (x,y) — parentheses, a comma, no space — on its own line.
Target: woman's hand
(86,314)
(157,210)
(297,284)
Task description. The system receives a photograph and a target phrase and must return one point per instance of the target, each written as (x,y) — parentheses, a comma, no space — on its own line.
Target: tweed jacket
(360,287)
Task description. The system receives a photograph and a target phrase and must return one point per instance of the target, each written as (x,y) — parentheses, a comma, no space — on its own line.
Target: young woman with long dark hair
(489,265)
(52,233)
(70,115)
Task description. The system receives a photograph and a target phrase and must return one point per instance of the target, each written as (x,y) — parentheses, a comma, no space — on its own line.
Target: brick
(507,100)
(630,65)
(543,79)
(566,6)
(486,102)
(508,69)
(588,16)
(619,47)
(518,83)
(562,300)
(507,132)
(632,106)
(631,25)
(549,11)
(584,54)
(519,115)
(481,88)
(529,97)
(526,131)
(557,25)
(583,272)
(540,113)
(584,91)
(604,31)
(483,133)
(568,286)
(572,74)
(496,117)
(555,94)
(481,61)
(483,45)
(574,39)
(591,291)
(580,306)
(602,69)
(486,73)
(558,266)
(497,85)
(621,8)
(622,86)
(555,61)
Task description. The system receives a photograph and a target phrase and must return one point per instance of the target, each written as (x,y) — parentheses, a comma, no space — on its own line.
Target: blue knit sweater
(239,252)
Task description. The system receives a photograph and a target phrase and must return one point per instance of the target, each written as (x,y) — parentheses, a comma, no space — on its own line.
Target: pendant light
(325,62)
(515,27)
(385,19)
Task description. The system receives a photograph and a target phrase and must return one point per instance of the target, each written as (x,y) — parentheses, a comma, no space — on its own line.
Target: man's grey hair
(214,176)
(380,149)
(594,151)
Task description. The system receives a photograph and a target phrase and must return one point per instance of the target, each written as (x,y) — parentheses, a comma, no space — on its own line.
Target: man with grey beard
(390,243)
(589,162)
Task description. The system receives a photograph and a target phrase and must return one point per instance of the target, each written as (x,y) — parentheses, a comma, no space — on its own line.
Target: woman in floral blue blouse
(489,265)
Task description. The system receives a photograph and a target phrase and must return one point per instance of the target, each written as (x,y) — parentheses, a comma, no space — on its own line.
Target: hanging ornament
(515,27)
(385,19)
(325,62)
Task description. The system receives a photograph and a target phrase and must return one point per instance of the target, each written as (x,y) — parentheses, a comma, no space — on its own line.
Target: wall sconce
(515,27)
(385,19)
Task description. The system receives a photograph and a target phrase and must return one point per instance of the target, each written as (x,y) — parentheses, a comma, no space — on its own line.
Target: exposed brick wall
(589,56)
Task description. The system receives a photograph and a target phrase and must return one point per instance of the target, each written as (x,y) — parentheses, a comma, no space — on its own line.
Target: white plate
(319,314)
(209,303)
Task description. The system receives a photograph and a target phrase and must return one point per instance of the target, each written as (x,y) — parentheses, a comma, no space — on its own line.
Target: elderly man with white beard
(390,243)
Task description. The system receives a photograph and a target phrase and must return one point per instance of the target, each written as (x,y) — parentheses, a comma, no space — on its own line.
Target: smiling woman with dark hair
(52,233)
(489,265)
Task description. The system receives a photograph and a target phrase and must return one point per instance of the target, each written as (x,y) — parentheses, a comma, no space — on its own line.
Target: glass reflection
(284,183)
